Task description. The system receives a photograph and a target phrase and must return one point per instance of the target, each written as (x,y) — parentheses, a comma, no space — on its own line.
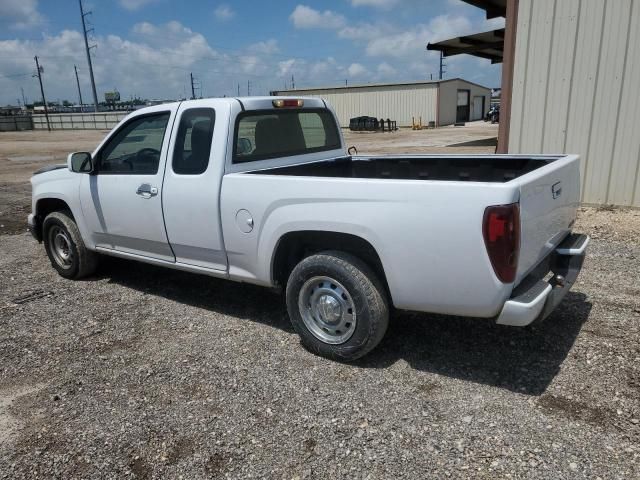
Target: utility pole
(193,88)
(442,65)
(79,91)
(293,83)
(88,49)
(248,88)
(39,71)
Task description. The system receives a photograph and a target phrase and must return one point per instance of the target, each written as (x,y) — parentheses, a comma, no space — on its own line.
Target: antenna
(88,48)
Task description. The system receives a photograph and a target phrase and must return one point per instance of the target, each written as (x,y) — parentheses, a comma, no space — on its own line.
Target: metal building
(570,82)
(444,102)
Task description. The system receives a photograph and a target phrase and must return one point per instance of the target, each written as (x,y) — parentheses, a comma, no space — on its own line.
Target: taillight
(501,230)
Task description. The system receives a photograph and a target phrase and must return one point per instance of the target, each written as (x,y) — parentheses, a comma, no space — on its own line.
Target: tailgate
(549,198)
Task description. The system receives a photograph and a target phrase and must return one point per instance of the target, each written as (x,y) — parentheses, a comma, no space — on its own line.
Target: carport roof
(489,45)
(494,8)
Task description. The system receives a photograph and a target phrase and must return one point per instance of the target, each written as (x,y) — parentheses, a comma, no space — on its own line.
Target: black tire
(81,262)
(366,292)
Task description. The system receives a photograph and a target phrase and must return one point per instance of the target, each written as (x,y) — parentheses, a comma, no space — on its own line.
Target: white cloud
(384,4)
(19,14)
(356,70)
(386,70)
(362,31)
(495,23)
(224,12)
(412,42)
(285,67)
(133,5)
(268,47)
(154,60)
(145,65)
(306,17)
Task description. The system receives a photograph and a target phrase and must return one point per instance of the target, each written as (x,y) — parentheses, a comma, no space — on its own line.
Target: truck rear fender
(293,246)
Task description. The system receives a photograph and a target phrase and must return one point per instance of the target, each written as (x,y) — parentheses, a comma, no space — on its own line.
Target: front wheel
(65,248)
(337,305)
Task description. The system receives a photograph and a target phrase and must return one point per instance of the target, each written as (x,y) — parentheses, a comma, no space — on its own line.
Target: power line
(88,49)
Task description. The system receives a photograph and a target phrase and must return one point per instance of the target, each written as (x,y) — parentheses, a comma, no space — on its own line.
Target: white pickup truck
(261,190)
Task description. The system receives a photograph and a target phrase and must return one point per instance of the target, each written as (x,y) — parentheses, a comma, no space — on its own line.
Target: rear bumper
(33,226)
(538,295)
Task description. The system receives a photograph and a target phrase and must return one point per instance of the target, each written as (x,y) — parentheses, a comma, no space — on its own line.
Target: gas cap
(244,220)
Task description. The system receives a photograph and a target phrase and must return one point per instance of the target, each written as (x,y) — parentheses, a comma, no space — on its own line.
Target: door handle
(146,191)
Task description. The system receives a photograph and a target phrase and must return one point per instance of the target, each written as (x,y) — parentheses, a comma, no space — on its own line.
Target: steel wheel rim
(327,310)
(61,247)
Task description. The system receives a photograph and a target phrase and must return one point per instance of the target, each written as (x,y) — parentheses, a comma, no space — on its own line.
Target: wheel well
(47,205)
(295,246)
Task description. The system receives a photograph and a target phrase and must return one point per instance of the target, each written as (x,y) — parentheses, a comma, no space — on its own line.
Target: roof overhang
(489,45)
(494,8)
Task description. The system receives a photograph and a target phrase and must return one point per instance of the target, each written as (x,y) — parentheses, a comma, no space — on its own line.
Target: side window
(193,142)
(135,149)
(313,130)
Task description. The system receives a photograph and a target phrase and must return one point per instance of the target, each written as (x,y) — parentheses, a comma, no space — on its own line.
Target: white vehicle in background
(261,190)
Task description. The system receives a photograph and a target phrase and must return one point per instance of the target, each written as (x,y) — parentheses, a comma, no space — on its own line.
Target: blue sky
(148,47)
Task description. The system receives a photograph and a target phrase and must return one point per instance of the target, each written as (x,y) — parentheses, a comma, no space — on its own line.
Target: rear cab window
(265,134)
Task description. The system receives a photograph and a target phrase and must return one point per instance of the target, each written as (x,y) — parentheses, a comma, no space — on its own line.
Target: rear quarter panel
(428,234)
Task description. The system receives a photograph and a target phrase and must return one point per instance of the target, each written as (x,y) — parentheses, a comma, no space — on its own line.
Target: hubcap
(327,310)
(61,247)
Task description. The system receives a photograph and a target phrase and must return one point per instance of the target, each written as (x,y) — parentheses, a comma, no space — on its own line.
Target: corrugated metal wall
(575,90)
(397,102)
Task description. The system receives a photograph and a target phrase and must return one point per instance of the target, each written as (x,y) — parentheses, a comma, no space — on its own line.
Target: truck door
(121,202)
(193,175)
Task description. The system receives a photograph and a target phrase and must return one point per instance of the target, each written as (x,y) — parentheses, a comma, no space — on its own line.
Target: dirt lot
(148,373)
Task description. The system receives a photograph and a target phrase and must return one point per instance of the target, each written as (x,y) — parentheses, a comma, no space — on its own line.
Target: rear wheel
(65,248)
(337,305)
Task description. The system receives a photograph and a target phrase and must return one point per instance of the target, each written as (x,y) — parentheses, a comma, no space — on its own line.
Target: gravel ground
(142,372)
(152,373)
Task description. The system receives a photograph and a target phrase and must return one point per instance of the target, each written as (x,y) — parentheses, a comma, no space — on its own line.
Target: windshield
(267,134)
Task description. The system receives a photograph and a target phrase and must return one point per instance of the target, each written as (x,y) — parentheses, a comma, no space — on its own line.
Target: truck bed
(496,169)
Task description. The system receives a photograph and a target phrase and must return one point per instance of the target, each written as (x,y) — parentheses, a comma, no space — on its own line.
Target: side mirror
(80,162)
(244,146)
